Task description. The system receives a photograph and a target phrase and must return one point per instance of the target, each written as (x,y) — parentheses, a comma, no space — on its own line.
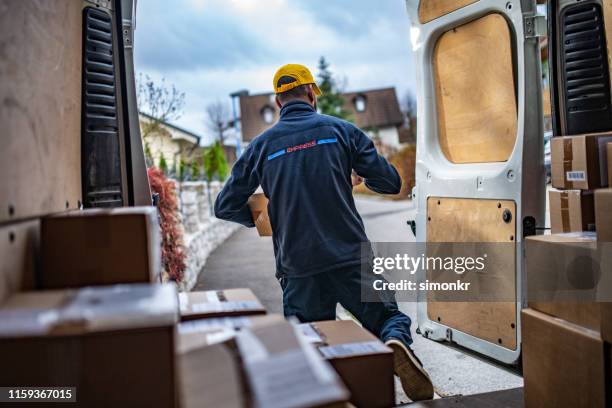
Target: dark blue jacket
(304,164)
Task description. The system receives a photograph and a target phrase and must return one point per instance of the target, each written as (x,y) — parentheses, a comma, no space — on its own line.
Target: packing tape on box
(311,333)
(27,323)
(213,296)
(229,306)
(149,307)
(183,301)
(568,156)
(218,323)
(565,218)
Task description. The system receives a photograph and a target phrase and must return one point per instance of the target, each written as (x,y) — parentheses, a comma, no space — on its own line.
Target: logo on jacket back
(302,146)
(312,143)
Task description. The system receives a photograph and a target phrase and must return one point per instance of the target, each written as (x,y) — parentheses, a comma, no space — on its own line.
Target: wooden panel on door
(475,91)
(432,9)
(462,220)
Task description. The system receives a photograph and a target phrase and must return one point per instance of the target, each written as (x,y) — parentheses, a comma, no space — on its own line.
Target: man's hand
(355,179)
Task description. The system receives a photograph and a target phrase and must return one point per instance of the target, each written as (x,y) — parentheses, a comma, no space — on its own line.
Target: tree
(195,169)
(215,164)
(182,171)
(163,165)
(148,155)
(331,102)
(162,103)
(218,119)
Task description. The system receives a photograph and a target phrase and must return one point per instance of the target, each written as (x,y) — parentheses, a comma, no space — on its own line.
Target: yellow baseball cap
(300,73)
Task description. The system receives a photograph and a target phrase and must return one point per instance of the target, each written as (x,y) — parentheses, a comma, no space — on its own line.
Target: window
(267,113)
(360,103)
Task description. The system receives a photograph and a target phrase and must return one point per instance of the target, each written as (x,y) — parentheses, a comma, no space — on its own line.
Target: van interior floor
(512,398)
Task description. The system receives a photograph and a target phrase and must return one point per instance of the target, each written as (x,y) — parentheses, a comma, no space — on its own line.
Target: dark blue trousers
(314,298)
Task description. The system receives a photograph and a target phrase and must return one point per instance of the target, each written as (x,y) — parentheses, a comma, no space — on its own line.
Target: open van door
(479,174)
(112,158)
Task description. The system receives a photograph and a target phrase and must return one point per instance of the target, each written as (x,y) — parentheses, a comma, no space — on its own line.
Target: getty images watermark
(411,265)
(487,271)
(446,271)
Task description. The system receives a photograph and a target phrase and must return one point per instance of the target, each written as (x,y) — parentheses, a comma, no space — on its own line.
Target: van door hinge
(105,4)
(128,34)
(535,26)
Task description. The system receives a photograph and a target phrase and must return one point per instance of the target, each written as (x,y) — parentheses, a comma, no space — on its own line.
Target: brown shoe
(415,381)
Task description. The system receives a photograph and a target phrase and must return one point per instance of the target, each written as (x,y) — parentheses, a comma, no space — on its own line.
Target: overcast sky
(210,48)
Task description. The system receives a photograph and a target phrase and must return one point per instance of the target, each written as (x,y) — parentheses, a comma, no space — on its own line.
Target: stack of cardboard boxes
(252,361)
(113,344)
(363,364)
(566,329)
(103,323)
(579,166)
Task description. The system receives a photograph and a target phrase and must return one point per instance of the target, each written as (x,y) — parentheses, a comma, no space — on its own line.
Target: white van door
(480,174)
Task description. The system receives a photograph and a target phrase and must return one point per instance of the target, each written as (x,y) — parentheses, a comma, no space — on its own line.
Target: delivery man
(307,164)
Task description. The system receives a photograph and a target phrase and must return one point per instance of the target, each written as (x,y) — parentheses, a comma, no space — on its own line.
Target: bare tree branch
(161,102)
(218,119)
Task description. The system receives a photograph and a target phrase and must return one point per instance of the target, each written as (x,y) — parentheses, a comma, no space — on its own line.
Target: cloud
(354,19)
(210,48)
(193,36)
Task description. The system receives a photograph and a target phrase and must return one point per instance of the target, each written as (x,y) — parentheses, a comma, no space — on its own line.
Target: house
(174,143)
(376,111)
(170,141)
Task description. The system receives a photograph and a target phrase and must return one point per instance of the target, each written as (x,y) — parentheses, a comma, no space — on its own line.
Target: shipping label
(575,175)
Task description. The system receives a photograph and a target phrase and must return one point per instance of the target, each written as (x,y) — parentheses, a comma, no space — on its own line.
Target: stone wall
(203,232)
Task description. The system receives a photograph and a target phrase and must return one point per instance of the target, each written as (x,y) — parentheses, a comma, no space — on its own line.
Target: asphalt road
(247,260)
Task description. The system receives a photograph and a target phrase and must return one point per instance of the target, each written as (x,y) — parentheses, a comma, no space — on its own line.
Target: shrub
(163,165)
(404,162)
(195,169)
(148,155)
(173,256)
(215,163)
(182,172)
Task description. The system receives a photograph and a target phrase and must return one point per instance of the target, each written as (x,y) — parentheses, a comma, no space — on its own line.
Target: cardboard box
(100,247)
(606,321)
(609,156)
(580,162)
(219,303)
(261,360)
(210,373)
(363,362)
(565,277)
(210,376)
(258,203)
(280,365)
(571,211)
(218,330)
(563,364)
(584,314)
(99,340)
(603,215)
